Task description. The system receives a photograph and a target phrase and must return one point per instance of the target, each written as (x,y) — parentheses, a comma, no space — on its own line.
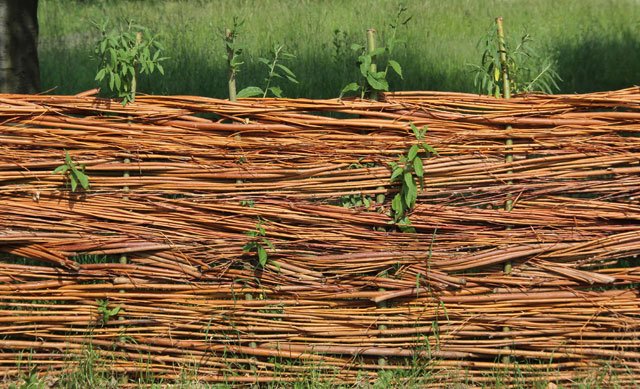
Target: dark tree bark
(19,66)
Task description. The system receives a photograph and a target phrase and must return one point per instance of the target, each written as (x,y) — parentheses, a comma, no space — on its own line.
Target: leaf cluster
(234,51)
(258,243)
(107,314)
(527,70)
(124,53)
(372,80)
(73,173)
(275,70)
(407,171)
(355,200)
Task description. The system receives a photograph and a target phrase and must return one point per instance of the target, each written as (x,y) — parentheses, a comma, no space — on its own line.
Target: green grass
(596,43)
(89,370)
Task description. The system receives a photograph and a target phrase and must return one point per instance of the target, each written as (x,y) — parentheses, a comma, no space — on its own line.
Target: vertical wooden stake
(371,46)
(506,93)
(380,197)
(124,379)
(134,80)
(228,37)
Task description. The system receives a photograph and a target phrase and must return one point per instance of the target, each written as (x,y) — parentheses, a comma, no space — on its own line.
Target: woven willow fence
(178,181)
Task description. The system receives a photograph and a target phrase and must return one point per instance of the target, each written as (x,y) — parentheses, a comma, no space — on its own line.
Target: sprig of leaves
(526,69)
(125,53)
(234,51)
(408,170)
(259,243)
(73,173)
(372,80)
(275,70)
(107,314)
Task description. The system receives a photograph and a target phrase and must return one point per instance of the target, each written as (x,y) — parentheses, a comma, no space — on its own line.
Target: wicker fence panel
(178,181)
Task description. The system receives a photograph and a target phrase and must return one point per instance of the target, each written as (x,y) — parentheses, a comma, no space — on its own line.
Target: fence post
(228,38)
(380,197)
(506,93)
(371,46)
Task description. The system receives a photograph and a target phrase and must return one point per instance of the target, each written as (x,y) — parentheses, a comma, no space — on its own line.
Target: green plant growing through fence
(124,54)
(408,170)
(259,243)
(357,199)
(527,70)
(233,54)
(73,173)
(371,80)
(107,314)
(275,70)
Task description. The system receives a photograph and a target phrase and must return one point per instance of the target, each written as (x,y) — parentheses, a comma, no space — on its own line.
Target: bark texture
(19,66)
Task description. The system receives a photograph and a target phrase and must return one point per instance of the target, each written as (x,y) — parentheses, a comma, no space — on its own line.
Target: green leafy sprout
(258,243)
(526,69)
(233,54)
(275,70)
(107,314)
(124,54)
(407,171)
(371,80)
(73,173)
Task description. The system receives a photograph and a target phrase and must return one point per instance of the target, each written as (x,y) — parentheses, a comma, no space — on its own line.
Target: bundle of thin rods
(182,185)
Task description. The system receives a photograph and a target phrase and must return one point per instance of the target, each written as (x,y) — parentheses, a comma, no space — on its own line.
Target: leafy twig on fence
(259,243)
(371,80)
(526,69)
(73,173)
(275,69)
(406,172)
(124,54)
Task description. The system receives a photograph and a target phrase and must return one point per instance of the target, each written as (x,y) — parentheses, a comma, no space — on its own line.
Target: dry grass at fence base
(336,274)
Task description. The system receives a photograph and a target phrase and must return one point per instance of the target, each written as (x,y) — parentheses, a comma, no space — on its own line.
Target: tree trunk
(19,67)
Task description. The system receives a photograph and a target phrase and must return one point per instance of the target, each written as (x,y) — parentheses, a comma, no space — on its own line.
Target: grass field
(596,43)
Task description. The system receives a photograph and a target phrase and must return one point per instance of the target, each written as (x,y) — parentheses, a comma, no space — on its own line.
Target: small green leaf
(365,64)
(262,256)
(115,311)
(415,130)
(429,148)
(101,74)
(353,87)
(396,205)
(377,84)
(61,169)
(396,67)
(268,243)
(397,171)
(82,179)
(418,167)
(286,70)
(378,51)
(250,91)
(74,183)
(413,152)
(277,91)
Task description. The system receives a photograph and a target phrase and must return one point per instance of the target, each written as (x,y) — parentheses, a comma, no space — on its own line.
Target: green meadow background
(595,43)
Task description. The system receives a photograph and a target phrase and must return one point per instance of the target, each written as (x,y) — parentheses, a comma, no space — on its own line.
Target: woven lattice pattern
(342,286)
